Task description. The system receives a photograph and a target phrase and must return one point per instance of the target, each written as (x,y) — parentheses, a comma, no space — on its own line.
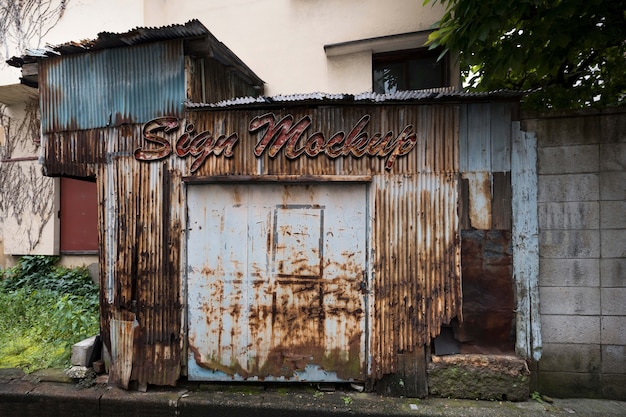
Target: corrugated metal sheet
(426,95)
(140,229)
(110,87)
(416,266)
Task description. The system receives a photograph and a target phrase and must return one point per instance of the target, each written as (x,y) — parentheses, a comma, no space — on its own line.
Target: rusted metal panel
(277,278)
(110,88)
(122,339)
(488,294)
(75,154)
(416,263)
(140,230)
(479,207)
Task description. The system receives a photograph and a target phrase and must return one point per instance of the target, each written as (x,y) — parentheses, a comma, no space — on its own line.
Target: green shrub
(44,310)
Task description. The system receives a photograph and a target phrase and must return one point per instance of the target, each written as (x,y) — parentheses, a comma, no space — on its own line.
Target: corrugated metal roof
(433,94)
(107,40)
(207,44)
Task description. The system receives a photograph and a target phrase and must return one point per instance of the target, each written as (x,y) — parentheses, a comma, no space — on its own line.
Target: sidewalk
(52,395)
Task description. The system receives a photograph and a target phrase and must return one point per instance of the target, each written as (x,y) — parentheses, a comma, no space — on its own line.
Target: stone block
(613,330)
(570,384)
(569,300)
(614,359)
(569,187)
(613,243)
(569,159)
(613,128)
(79,372)
(569,215)
(569,244)
(613,301)
(567,131)
(569,272)
(568,357)
(613,272)
(613,157)
(159,403)
(613,186)
(81,351)
(614,387)
(483,377)
(613,214)
(570,329)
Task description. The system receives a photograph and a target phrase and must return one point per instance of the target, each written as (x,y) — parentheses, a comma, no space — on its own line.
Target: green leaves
(571,54)
(44,310)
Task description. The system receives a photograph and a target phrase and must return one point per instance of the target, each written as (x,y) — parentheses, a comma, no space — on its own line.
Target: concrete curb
(21,397)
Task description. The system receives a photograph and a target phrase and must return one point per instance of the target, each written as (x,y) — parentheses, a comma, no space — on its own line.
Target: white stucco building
(294,46)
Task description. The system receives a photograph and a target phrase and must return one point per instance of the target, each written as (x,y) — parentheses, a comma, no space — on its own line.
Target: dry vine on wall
(24,23)
(26,196)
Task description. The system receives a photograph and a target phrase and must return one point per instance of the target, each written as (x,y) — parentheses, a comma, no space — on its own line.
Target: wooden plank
(525,242)
(501,201)
(464,222)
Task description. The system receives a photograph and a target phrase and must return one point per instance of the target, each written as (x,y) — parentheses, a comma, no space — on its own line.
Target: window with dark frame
(414,69)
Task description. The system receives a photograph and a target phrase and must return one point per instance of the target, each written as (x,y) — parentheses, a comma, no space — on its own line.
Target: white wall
(83,19)
(283,40)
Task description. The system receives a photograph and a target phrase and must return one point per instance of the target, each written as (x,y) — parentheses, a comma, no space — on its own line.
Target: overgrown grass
(44,310)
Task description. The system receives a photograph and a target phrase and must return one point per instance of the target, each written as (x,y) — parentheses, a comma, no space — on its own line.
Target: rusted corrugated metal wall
(141,237)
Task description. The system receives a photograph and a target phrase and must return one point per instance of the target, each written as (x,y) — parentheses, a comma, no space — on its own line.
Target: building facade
(249,229)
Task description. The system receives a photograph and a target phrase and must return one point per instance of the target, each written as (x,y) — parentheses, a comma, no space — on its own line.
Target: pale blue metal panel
(112,87)
(485,137)
(500,137)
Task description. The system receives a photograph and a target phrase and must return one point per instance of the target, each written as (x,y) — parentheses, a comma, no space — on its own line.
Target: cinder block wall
(582,245)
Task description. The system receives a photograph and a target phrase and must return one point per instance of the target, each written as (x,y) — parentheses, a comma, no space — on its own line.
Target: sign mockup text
(274,135)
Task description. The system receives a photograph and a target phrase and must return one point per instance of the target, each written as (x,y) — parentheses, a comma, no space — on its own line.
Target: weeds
(44,310)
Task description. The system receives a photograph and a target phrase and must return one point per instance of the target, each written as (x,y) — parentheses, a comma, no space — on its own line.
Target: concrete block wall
(582,244)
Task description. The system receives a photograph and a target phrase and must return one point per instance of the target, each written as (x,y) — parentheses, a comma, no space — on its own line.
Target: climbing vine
(26,196)
(24,23)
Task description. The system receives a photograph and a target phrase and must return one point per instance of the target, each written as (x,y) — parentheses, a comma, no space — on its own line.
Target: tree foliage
(569,53)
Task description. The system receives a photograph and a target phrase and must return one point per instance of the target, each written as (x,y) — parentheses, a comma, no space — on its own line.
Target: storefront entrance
(277,282)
